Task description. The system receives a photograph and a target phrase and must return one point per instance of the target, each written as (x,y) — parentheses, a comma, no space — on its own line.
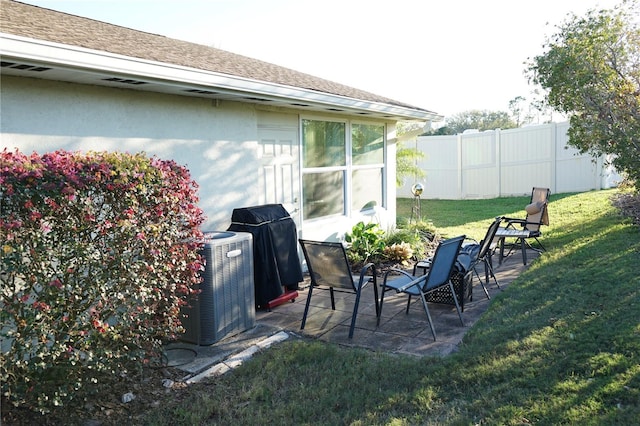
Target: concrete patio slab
(398,332)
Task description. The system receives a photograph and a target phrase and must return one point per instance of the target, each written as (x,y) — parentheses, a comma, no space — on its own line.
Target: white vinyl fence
(500,163)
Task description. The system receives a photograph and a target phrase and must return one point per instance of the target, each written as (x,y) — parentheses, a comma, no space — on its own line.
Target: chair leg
(426,310)
(540,244)
(306,307)
(524,244)
(536,249)
(512,246)
(524,250)
(408,304)
(486,292)
(355,313)
(375,295)
(486,271)
(333,300)
(379,306)
(455,299)
(461,296)
(490,272)
(471,289)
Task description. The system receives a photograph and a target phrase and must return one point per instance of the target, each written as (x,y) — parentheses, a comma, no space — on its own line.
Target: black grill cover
(276,264)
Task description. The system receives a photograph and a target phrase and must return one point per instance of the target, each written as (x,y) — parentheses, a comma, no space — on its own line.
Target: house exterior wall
(217,141)
(505,163)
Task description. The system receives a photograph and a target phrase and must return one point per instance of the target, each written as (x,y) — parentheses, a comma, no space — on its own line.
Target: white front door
(280,169)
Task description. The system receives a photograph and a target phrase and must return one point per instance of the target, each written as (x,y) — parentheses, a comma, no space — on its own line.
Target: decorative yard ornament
(416,190)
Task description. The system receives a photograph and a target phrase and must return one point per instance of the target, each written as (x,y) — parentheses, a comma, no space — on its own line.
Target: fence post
(599,165)
(554,159)
(459,162)
(498,161)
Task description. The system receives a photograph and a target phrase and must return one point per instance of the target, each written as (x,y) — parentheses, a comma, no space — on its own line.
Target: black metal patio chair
(437,277)
(329,269)
(482,252)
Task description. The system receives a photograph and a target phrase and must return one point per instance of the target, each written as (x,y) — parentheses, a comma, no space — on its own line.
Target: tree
(476,119)
(406,164)
(591,71)
(407,158)
(541,111)
(518,113)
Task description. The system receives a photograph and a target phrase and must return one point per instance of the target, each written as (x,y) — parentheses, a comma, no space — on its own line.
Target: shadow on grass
(560,345)
(448,213)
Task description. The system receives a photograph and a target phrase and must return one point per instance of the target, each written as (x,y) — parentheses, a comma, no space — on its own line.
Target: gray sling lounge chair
(528,228)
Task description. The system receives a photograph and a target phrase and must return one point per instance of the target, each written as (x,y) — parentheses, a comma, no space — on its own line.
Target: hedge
(99,252)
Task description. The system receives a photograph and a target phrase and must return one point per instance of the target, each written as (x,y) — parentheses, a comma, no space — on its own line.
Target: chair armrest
(363,272)
(512,220)
(413,281)
(423,264)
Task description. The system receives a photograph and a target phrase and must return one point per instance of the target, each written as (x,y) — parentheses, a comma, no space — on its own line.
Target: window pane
(368,144)
(323,143)
(323,194)
(367,189)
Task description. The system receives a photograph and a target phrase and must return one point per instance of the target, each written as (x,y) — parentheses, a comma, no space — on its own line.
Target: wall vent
(249,98)
(26,67)
(124,80)
(201,92)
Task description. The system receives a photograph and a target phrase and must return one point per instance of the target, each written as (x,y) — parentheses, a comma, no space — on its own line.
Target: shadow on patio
(398,332)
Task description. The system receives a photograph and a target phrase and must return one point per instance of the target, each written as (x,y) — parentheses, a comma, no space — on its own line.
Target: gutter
(79,59)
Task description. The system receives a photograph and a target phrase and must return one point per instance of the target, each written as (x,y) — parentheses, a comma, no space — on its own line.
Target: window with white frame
(342,167)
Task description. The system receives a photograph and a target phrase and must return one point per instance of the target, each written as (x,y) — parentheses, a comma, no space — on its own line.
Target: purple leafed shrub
(99,252)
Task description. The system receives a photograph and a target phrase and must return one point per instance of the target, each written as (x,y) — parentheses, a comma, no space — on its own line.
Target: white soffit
(86,66)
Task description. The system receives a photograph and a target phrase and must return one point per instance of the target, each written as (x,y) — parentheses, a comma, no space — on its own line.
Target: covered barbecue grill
(277,269)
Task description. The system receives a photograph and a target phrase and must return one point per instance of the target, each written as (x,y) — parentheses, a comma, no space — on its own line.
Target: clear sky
(447,56)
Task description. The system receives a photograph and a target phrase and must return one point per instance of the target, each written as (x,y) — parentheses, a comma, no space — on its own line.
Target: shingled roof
(38,23)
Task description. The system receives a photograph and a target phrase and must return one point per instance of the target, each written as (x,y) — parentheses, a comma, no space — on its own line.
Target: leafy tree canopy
(407,158)
(476,119)
(407,164)
(591,71)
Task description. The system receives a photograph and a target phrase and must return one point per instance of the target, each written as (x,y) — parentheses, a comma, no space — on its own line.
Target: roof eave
(160,73)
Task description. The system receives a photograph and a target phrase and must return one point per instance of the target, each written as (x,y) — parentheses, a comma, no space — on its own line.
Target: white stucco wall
(216,143)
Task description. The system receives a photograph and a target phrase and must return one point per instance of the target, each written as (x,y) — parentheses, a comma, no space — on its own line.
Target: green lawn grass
(561,345)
